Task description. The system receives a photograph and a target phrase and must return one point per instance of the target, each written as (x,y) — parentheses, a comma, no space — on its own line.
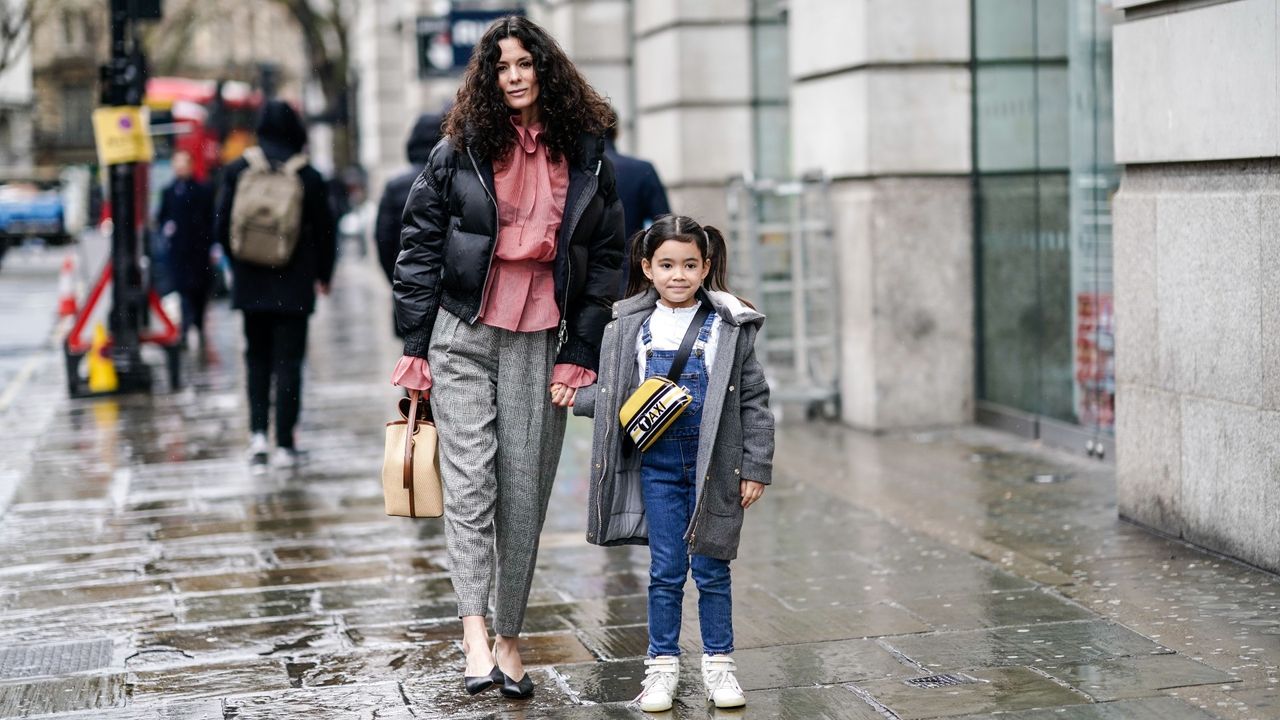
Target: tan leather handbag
(411,462)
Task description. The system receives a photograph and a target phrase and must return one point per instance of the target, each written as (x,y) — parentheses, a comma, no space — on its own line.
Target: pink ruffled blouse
(531,191)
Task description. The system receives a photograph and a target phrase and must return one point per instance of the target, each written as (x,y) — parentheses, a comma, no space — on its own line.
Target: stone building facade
(1197,228)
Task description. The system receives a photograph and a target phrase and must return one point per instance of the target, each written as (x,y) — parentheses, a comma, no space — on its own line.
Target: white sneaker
(259,449)
(286,458)
(722,686)
(660,676)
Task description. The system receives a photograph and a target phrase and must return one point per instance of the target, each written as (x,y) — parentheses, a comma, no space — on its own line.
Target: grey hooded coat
(736,441)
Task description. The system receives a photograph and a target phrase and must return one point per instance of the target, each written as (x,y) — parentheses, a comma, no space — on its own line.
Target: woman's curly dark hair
(569,105)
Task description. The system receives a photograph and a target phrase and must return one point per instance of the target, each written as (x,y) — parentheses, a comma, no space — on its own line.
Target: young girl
(686,494)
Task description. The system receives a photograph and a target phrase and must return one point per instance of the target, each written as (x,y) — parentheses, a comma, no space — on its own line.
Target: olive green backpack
(266,214)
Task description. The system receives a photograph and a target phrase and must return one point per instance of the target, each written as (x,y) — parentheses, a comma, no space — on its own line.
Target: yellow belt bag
(651,409)
(659,401)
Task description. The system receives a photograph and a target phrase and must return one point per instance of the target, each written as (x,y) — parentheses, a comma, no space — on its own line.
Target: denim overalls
(668,483)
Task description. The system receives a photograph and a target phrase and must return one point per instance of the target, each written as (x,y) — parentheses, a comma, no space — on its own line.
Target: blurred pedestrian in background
(512,247)
(424,136)
(641,191)
(277,301)
(186,221)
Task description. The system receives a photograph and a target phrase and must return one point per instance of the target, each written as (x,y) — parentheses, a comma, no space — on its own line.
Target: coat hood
(731,308)
(424,136)
(280,125)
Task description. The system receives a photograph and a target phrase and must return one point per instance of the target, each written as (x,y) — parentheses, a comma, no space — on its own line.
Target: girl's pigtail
(718,251)
(636,281)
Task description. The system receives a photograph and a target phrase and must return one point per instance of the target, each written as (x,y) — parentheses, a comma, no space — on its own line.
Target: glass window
(1042,112)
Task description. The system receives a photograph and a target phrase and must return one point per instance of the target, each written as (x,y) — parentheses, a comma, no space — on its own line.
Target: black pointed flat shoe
(477,684)
(517,690)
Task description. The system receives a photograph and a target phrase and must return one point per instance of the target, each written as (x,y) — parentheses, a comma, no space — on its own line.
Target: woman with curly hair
(511,253)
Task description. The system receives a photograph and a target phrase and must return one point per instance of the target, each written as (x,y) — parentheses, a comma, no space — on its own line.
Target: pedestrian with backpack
(274,219)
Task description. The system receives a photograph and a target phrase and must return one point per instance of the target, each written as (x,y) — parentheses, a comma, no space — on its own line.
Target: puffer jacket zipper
(493,250)
(593,183)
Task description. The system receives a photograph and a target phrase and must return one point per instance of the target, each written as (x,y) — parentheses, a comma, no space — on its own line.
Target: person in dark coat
(424,136)
(186,220)
(277,302)
(643,197)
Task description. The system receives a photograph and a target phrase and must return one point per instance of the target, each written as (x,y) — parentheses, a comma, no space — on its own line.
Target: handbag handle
(410,429)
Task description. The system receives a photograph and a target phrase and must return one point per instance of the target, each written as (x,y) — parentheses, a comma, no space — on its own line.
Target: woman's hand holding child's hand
(751,492)
(562,395)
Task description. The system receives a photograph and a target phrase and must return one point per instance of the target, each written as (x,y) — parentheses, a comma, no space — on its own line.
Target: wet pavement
(149,574)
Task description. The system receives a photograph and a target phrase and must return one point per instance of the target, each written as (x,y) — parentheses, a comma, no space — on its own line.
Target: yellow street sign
(122,135)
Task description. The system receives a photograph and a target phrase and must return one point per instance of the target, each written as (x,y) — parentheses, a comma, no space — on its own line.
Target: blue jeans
(668,484)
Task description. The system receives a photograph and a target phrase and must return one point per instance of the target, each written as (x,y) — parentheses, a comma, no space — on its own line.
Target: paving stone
(87,595)
(211,680)
(1055,643)
(1163,708)
(25,661)
(349,596)
(585,614)
(860,588)
(52,625)
(227,606)
(994,690)
(616,643)
(965,612)
(380,700)
(61,695)
(308,575)
(823,663)
(1136,677)
(429,658)
(177,710)
(283,637)
(760,629)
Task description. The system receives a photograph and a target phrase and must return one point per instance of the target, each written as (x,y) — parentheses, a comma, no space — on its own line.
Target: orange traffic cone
(67,288)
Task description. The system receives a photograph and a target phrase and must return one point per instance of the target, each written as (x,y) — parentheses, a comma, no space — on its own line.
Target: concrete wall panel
(1270,273)
(1229,490)
(1136,302)
(694,65)
(851,203)
(830,36)
(923,276)
(826,36)
(1198,85)
(829,125)
(919,120)
(1208,292)
(697,145)
(1149,462)
(652,14)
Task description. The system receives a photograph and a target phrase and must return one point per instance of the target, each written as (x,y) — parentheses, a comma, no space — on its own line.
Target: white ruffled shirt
(668,326)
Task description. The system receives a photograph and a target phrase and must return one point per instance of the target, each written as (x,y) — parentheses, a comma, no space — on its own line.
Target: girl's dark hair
(709,240)
(569,105)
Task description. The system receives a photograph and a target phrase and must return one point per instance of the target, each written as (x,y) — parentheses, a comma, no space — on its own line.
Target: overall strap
(691,334)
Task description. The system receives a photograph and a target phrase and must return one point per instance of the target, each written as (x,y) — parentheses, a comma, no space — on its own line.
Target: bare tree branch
(16,23)
(326,36)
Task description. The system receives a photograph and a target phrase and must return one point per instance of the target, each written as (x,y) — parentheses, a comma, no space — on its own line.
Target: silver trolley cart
(783,259)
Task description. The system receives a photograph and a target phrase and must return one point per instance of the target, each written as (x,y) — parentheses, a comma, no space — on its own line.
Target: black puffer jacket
(451,228)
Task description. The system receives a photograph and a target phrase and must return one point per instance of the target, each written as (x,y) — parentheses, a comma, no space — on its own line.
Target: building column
(1197,254)
(596,36)
(694,99)
(881,101)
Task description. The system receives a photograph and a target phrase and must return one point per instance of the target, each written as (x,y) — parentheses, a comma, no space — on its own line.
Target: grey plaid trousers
(500,441)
